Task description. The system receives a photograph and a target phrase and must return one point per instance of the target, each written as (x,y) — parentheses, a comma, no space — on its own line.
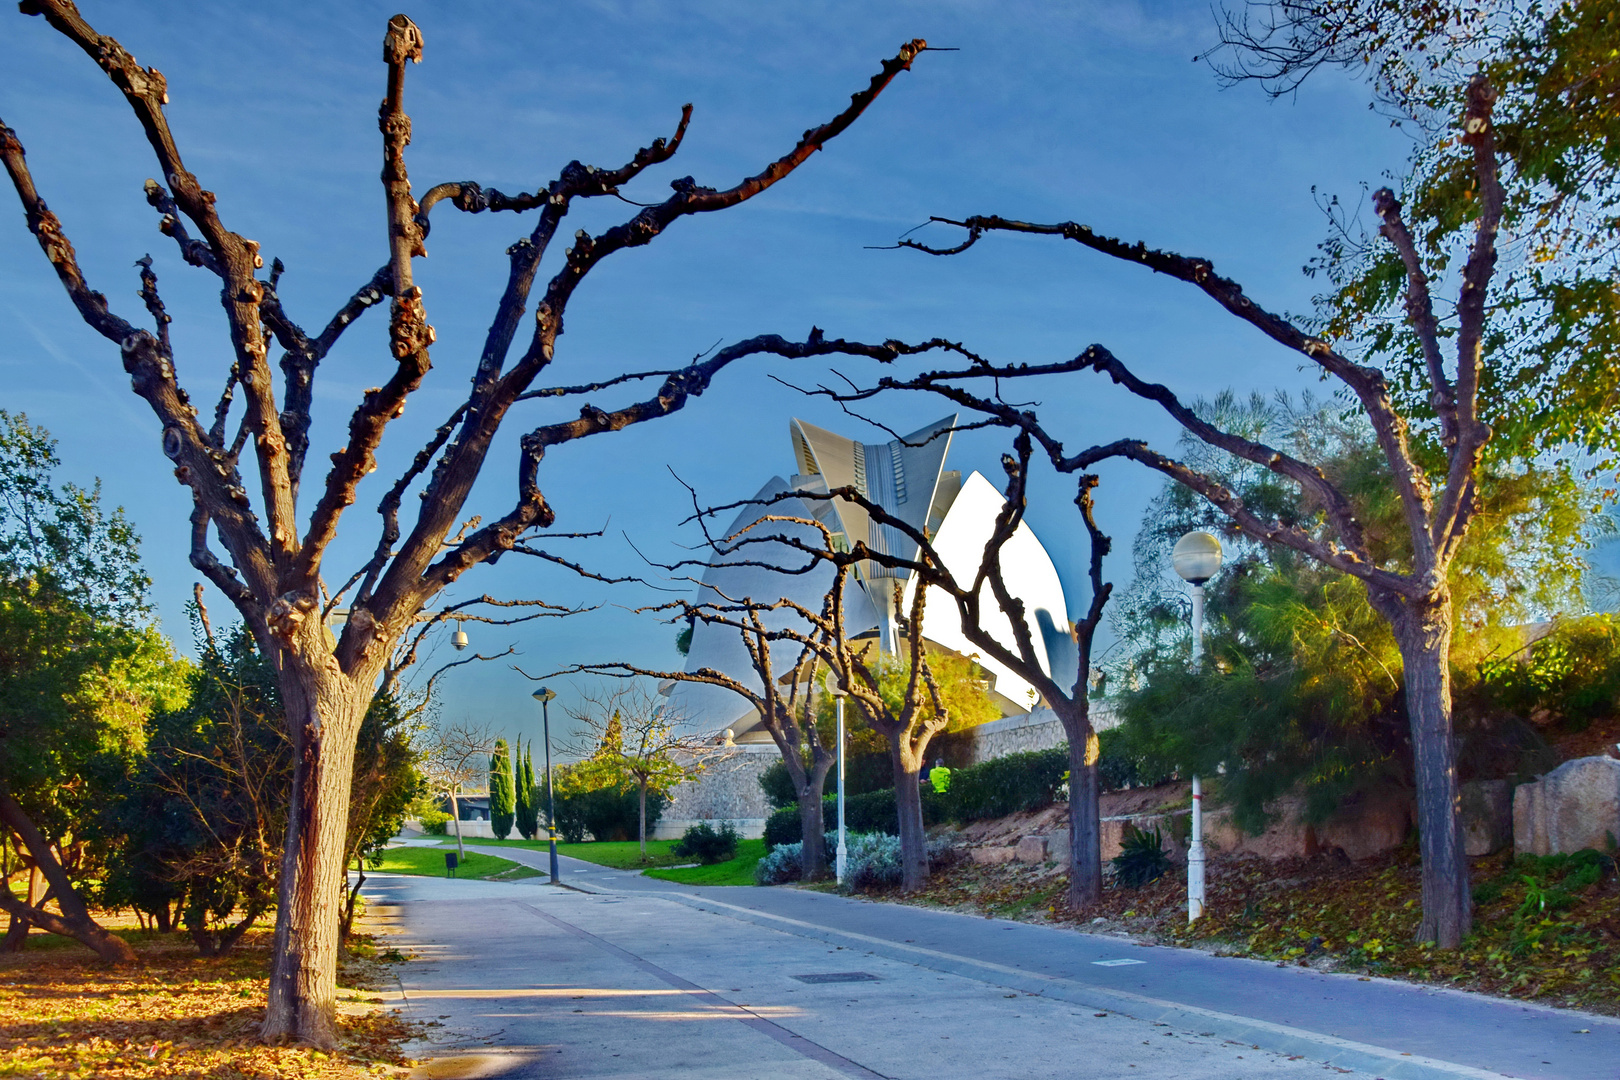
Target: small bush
(1141,858)
(873,861)
(435,822)
(777,785)
(785,862)
(707,844)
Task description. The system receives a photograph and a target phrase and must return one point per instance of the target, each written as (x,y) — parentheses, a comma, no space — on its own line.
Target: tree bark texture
(1085,822)
(908,809)
(1424,638)
(303,992)
(813,822)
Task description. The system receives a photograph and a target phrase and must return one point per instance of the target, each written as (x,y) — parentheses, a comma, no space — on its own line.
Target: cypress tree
(528,816)
(500,790)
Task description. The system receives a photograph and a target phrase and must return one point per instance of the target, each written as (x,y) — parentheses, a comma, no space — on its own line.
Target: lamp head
(1197,557)
(544,694)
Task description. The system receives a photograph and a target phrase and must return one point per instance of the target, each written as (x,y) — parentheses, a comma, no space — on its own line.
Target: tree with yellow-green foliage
(81,666)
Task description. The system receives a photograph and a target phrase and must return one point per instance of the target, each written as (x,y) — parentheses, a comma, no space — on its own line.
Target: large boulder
(1487,816)
(1367,824)
(1575,806)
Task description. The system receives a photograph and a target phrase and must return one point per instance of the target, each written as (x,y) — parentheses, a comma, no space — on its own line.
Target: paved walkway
(1371,1027)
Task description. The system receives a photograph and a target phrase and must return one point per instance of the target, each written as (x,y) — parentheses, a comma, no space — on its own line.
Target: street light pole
(842,857)
(1197,558)
(544,696)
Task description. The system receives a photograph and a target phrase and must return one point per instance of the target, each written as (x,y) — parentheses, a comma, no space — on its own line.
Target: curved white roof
(907,477)
(1030,576)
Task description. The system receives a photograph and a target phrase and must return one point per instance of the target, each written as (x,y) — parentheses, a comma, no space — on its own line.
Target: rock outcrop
(1575,806)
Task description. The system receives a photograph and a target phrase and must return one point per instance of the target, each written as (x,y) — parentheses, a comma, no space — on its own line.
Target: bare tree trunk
(303,989)
(354,896)
(908,808)
(455,816)
(1085,822)
(813,823)
(17,932)
(1424,637)
(75,921)
(643,821)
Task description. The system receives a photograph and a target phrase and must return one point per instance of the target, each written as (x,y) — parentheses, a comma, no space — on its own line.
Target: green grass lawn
(618,854)
(429,862)
(737,871)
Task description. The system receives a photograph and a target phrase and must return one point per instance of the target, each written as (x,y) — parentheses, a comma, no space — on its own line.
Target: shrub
(1006,785)
(778,785)
(1141,858)
(785,862)
(873,861)
(706,844)
(435,822)
(606,813)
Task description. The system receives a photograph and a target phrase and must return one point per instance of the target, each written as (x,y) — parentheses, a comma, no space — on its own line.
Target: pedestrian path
(1383,1027)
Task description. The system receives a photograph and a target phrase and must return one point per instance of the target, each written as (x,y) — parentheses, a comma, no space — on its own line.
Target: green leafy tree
(502,801)
(81,666)
(1553,355)
(1302,687)
(80,669)
(203,816)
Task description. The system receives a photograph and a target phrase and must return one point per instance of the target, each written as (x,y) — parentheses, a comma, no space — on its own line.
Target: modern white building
(908,478)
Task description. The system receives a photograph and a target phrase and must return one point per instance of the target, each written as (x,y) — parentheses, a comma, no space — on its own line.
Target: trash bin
(450,862)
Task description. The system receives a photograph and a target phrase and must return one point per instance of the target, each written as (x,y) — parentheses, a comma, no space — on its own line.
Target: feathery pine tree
(500,790)
(528,812)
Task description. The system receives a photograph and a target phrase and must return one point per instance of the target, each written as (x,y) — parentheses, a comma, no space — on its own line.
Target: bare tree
(787,716)
(897,696)
(276,554)
(986,592)
(1406,583)
(456,755)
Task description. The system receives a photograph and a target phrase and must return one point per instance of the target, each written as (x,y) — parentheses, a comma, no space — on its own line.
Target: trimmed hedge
(1006,785)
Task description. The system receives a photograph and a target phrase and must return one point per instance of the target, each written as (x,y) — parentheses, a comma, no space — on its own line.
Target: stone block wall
(727,790)
(1037,730)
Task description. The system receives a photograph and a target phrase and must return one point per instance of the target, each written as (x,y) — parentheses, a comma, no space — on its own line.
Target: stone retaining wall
(1037,730)
(727,790)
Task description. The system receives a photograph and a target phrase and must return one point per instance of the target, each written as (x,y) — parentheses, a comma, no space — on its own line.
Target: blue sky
(1088,112)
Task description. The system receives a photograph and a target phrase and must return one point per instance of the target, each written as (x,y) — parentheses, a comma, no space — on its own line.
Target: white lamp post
(1196,558)
(544,696)
(839,693)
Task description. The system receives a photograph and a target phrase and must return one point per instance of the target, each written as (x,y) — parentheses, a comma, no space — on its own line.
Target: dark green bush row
(871,812)
(606,813)
(1006,785)
(990,789)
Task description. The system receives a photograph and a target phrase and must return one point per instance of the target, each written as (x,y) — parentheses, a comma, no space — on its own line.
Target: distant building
(908,478)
